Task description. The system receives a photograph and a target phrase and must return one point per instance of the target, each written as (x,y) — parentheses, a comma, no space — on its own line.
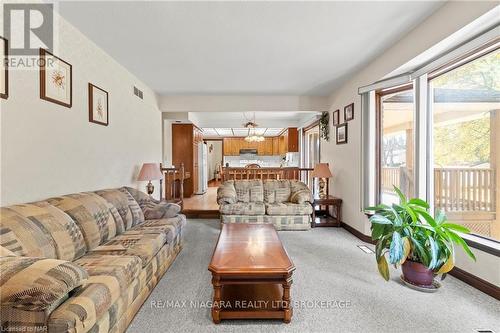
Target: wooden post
(495,165)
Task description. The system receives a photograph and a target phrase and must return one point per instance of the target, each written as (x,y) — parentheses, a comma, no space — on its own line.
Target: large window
(396,113)
(435,134)
(465,106)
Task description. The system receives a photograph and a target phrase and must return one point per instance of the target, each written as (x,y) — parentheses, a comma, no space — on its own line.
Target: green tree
(462,144)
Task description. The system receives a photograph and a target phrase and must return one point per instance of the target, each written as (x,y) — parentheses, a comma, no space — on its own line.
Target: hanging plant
(324,128)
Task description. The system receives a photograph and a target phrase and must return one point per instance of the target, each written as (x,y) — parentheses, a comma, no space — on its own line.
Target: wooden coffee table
(251,274)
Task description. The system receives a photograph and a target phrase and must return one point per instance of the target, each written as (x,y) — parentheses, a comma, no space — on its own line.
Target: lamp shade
(321,170)
(150,171)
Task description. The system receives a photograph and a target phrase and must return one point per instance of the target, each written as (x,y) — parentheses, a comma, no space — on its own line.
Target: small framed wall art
(336,117)
(341,134)
(98,105)
(56,81)
(4,69)
(349,112)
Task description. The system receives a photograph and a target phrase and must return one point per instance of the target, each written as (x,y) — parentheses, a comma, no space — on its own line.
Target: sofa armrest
(165,210)
(226,193)
(300,193)
(37,284)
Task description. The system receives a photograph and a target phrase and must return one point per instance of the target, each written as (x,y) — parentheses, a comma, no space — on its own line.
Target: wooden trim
(394,90)
(91,104)
(464,59)
(476,282)
(43,54)
(311,125)
(472,280)
(357,233)
(6,63)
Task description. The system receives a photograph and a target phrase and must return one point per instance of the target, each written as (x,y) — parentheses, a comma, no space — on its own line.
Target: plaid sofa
(83,262)
(284,203)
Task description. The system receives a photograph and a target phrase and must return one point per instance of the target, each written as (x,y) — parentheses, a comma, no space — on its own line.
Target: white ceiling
(243,47)
(239,132)
(263,119)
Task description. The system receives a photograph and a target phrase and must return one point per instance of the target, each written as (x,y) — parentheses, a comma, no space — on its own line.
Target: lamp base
(323,188)
(150,188)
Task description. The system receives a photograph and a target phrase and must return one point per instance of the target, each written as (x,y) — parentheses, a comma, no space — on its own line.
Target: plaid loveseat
(284,203)
(83,262)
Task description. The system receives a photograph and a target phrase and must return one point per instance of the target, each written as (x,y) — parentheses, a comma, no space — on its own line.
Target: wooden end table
(326,220)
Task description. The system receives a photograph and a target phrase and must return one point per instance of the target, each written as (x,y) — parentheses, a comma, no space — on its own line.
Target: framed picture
(56,81)
(336,117)
(349,112)
(98,105)
(341,133)
(4,69)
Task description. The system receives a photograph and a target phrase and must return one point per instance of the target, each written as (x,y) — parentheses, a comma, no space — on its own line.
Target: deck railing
(455,189)
(464,189)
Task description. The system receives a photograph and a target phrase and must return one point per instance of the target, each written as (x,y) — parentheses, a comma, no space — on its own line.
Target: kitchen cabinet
(185,141)
(280,145)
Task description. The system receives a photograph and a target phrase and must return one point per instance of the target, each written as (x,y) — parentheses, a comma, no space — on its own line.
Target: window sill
(482,244)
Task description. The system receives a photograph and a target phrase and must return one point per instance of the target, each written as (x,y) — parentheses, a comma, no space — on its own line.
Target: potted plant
(412,238)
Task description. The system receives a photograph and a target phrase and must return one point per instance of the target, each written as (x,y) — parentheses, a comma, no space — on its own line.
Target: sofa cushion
(135,243)
(120,201)
(36,284)
(135,198)
(226,193)
(91,213)
(276,191)
(161,211)
(60,229)
(122,268)
(249,190)
(243,208)
(22,237)
(170,227)
(81,311)
(288,208)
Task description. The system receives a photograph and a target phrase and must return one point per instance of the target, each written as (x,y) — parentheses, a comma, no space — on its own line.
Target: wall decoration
(341,134)
(98,105)
(324,128)
(56,81)
(4,69)
(349,112)
(336,117)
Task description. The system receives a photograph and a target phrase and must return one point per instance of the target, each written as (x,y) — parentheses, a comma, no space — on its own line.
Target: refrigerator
(202,168)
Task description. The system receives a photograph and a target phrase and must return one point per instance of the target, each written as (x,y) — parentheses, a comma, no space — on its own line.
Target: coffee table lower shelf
(252,301)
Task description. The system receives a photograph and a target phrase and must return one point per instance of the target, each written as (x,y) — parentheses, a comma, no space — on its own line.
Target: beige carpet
(330,268)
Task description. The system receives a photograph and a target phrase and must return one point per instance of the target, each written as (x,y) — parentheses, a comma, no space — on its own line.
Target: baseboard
(201,214)
(476,282)
(472,280)
(357,233)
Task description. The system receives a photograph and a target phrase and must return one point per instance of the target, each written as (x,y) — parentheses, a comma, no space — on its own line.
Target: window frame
(423,142)
(378,133)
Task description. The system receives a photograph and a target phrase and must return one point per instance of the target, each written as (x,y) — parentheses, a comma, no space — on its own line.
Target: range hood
(248,152)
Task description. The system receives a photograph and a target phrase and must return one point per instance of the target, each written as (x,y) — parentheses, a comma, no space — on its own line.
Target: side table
(324,219)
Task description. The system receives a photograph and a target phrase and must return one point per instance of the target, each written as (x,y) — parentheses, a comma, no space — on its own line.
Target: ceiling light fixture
(252,135)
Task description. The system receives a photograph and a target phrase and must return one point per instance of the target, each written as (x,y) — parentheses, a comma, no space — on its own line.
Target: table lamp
(322,172)
(149,172)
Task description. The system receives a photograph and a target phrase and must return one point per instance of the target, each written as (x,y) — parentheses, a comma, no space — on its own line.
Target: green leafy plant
(406,231)
(324,126)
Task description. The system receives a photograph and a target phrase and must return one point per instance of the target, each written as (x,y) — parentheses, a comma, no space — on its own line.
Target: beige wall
(242,103)
(49,150)
(214,158)
(345,159)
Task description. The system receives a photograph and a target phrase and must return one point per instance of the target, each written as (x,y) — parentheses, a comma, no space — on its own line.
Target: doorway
(214,161)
